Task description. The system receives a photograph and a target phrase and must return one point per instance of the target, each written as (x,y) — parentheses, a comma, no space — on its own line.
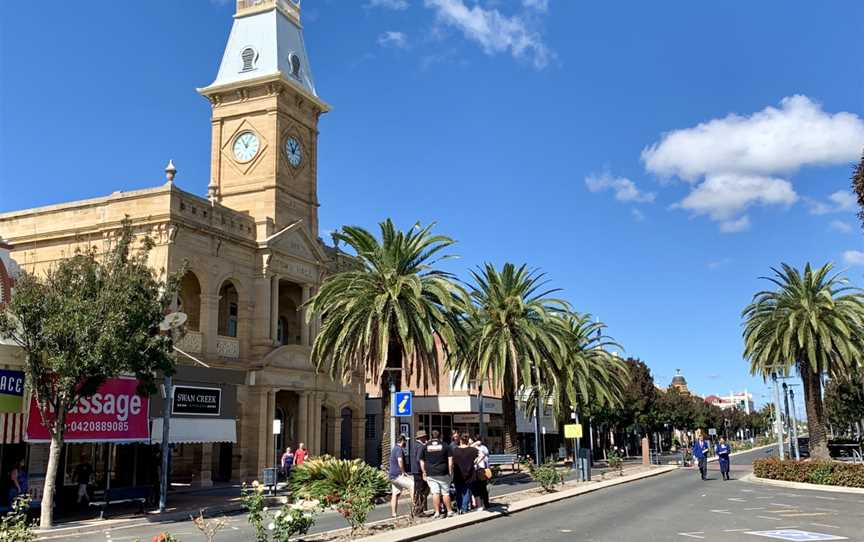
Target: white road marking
(566,530)
(734,530)
(766,517)
(693,534)
(721,511)
(825,525)
(783,505)
(824,498)
(737,499)
(748,490)
(789,494)
(757,508)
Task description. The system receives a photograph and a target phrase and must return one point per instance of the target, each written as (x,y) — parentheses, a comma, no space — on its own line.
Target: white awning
(195,430)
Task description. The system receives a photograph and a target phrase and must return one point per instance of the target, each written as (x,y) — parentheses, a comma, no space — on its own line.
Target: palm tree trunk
(508,411)
(815,412)
(385,423)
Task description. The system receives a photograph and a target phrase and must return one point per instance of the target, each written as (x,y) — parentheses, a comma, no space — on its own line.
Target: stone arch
(229,308)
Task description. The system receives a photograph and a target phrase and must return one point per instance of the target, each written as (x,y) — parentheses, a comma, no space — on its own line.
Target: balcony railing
(192,342)
(228,347)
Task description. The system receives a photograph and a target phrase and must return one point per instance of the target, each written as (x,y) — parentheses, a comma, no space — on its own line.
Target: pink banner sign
(115,413)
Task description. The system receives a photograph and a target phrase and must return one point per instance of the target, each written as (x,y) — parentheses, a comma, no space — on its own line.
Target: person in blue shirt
(701,449)
(723,450)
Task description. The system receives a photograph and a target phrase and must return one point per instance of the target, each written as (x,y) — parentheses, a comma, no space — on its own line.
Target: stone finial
(170,171)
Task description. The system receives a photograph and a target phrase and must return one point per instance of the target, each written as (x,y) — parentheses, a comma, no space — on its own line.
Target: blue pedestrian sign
(404,403)
(795,534)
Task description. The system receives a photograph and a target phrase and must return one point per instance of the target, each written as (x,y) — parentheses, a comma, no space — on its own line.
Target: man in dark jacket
(701,449)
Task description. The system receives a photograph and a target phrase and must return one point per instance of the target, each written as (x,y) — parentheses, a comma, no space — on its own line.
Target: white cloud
(768,142)
(388,4)
(737,161)
(637,215)
(839,225)
(723,197)
(393,39)
(853,257)
(538,5)
(625,189)
(735,226)
(839,202)
(717,264)
(496,33)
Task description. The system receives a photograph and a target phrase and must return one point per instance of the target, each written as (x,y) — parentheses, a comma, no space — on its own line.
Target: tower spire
(291,8)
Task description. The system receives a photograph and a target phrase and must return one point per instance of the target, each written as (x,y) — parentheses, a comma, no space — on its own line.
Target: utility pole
(778,419)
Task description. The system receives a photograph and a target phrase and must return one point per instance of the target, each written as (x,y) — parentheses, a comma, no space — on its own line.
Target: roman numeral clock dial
(246,147)
(293,152)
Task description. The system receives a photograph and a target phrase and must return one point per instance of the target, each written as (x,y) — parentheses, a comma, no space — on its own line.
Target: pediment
(294,240)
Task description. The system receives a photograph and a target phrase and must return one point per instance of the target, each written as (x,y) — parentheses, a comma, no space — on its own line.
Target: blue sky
(653,158)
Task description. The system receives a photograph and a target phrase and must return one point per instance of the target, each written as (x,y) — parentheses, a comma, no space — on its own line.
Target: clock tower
(265,113)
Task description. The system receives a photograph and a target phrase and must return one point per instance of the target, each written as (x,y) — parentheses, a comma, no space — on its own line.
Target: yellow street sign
(573,430)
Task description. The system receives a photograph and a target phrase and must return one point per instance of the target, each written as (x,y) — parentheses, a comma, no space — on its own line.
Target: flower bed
(829,473)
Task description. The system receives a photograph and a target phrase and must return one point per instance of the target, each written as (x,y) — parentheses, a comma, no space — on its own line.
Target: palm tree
(512,335)
(812,323)
(589,371)
(392,312)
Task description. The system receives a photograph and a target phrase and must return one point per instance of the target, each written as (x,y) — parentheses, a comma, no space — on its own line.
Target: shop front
(13,449)
(203,426)
(105,445)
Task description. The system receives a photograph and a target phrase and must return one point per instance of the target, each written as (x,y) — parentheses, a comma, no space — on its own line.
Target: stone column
(306,290)
(303,419)
(314,424)
(261,315)
(206,464)
(274,307)
(209,322)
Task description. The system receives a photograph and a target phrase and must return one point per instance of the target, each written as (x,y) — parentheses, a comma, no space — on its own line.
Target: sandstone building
(254,258)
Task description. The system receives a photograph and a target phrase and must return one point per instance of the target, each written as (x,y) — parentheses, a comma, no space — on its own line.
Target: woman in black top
(464,459)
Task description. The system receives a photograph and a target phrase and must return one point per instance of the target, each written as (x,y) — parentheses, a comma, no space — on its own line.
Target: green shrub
(348,486)
(547,476)
(14,526)
(831,473)
(615,461)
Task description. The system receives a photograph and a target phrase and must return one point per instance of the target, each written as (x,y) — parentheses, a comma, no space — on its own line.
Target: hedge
(828,473)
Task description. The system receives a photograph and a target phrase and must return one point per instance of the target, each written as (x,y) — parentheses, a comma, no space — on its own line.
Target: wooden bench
(498,460)
(121,495)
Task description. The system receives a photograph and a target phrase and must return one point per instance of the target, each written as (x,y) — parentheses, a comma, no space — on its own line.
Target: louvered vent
(249,56)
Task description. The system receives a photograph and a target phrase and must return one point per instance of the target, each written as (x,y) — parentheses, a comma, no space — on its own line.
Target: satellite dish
(173,321)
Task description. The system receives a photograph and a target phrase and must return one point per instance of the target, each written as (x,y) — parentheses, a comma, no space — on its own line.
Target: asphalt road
(680,507)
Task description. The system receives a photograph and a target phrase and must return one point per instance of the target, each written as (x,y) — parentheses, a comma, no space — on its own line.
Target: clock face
(293,152)
(245,146)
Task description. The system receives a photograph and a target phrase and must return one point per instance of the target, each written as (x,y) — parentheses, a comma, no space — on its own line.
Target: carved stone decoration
(217,247)
(228,347)
(172,233)
(191,342)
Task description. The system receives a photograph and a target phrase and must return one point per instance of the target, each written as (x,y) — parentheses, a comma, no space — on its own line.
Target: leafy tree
(844,400)
(513,335)
(676,409)
(858,187)
(639,397)
(811,323)
(88,319)
(393,312)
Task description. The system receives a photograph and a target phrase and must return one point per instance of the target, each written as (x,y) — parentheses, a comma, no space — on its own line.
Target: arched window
(228,310)
(249,57)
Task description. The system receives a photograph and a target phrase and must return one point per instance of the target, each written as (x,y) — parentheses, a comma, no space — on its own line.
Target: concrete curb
(753,479)
(445,525)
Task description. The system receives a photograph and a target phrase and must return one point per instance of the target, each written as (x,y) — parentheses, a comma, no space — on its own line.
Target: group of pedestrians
(701,451)
(292,458)
(457,471)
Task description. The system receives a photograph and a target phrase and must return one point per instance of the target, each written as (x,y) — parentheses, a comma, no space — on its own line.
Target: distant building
(679,383)
(742,400)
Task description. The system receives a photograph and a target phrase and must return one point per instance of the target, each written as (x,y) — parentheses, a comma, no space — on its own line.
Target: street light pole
(795,425)
(778,421)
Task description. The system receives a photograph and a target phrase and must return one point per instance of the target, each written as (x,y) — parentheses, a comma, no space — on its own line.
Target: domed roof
(678,379)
